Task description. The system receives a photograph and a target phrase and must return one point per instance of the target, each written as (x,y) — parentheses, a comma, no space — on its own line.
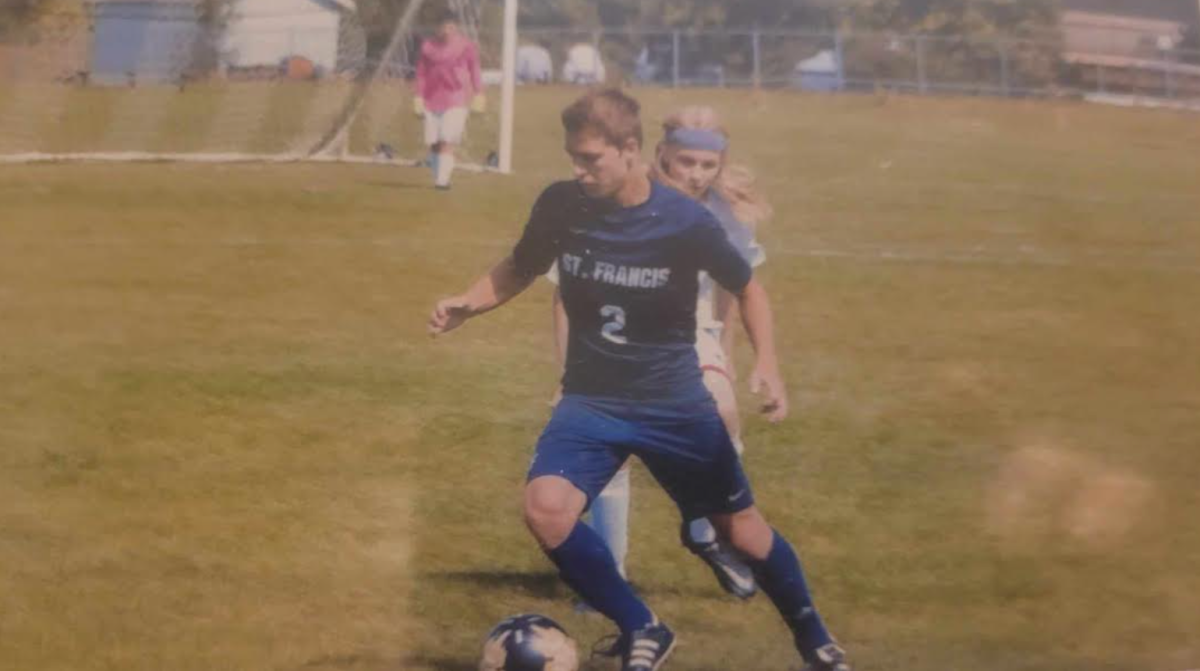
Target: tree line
(968,28)
(1014,18)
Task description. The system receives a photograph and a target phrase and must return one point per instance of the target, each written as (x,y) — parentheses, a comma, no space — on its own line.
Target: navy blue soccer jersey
(629,278)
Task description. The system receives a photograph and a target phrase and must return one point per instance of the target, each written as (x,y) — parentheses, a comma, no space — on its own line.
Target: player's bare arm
(497,287)
(757,318)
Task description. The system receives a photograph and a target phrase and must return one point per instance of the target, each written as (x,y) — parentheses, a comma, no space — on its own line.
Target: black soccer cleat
(731,571)
(647,648)
(829,657)
(734,576)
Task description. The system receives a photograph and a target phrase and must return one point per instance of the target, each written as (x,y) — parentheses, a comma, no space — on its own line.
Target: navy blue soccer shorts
(687,450)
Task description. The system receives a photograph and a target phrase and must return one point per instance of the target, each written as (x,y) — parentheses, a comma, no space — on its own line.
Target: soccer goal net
(237,80)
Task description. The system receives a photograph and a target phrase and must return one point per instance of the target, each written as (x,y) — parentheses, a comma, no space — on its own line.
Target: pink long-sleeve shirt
(448,73)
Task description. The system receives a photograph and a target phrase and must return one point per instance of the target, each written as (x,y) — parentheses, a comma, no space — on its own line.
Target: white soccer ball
(529,643)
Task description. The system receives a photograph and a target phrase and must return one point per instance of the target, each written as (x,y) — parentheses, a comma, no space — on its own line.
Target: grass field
(228,444)
(257,118)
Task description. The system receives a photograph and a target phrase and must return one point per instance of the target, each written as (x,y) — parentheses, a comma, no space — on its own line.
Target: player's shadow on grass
(338,662)
(441,663)
(547,585)
(539,584)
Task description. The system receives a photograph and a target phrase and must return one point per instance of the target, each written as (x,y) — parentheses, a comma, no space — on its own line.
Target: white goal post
(273,81)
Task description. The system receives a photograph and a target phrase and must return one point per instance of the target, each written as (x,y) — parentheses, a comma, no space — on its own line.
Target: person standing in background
(448,89)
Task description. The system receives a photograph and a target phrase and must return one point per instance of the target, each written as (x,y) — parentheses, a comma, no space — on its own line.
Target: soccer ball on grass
(529,643)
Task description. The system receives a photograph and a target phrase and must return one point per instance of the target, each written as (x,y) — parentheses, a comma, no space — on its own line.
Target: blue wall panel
(150,42)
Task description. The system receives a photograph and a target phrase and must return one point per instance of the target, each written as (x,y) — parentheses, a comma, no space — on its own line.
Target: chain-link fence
(1084,61)
(854,61)
(158,79)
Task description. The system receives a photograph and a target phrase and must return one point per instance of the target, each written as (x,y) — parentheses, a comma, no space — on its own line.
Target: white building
(1133,46)
(1126,28)
(265,32)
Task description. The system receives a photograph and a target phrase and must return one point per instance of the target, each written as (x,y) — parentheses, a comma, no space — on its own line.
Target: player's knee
(746,531)
(550,512)
(542,508)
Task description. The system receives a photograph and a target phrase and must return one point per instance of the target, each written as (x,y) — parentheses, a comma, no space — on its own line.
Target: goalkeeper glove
(478,103)
(419,106)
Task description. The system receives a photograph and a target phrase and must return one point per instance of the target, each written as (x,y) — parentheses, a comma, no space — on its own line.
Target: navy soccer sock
(781,577)
(587,566)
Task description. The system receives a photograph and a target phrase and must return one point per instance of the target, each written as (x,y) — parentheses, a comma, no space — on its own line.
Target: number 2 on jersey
(614,323)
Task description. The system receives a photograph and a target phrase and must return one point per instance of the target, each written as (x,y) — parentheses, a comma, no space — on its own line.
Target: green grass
(225,117)
(228,444)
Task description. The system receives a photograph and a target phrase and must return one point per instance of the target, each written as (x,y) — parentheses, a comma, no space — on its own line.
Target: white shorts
(709,350)
(712,358)
(447,126)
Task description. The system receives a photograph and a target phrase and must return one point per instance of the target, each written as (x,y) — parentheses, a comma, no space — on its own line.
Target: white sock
(445,166)
(610,517)
(433,164)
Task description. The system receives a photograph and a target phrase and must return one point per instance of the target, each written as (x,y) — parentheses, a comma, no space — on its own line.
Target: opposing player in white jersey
(692,158)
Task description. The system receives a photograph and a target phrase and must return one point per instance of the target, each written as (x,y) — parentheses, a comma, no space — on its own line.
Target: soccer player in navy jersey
(629,254)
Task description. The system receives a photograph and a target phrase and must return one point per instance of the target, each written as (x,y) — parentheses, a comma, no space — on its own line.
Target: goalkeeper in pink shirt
(448,88)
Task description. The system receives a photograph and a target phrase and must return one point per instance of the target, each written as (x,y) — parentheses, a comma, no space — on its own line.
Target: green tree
(16,16)
(213,16)
(626,23)
(559,14)
(977,18)
(966,40)
(53,21)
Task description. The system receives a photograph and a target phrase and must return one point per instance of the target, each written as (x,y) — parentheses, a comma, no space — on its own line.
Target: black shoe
(442,187)
(829,657)
(647,648)
(734,576)
(731,571)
